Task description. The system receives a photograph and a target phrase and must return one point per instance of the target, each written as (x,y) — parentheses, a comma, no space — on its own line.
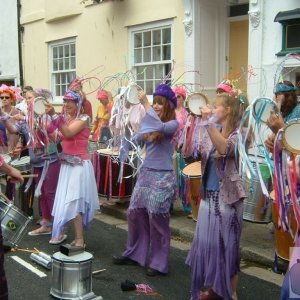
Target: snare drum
(13,223)
(257,206)
(107,181)
(283,240)
(72,276)
(22,164)
(195,102)
(193,179)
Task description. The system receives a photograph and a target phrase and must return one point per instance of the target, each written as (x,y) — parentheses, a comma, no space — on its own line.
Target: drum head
(192,170)
(195,102)
(39,105)
(132,94)
(22,161)
(81,257)
(108,152)
(290,140)
(263,107)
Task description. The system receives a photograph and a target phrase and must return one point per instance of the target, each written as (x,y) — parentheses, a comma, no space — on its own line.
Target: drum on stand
(193,176)
(283,240)
(24,200)
(257,206)
(72,276)
(108,179)
(13,222)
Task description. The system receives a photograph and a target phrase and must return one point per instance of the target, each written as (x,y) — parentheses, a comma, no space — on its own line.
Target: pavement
(257,241)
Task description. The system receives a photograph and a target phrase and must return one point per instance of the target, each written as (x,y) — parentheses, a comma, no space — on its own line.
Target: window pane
(137,56)
(67,51)
(156,53)
(147,55)
(166,35)
(158,71)
(140,73)
(137,40)
(156,37)
(67,64)
(149,72)
(60,52)
(73,63)
(55,53)
(147,38)
(166,52)
(292,36)
(73,52)
(149,87)
(55,66)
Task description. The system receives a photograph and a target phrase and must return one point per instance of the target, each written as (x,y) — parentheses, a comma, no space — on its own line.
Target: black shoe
(153,272)
(123,260)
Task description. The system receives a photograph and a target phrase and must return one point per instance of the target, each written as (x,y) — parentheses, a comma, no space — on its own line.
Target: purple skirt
(154,190)
(214,257)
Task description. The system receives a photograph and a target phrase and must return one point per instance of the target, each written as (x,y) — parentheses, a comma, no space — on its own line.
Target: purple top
(158,155)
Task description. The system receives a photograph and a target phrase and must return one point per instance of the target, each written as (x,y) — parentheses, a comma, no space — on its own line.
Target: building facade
(193,42)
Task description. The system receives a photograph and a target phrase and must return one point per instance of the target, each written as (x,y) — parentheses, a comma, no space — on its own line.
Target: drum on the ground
(193,178)
(72,276)
(283,240)
(257,206)
(109,173)
(13,222)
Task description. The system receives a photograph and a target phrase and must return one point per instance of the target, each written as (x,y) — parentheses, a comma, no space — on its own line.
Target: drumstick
(98,271)
(30,175)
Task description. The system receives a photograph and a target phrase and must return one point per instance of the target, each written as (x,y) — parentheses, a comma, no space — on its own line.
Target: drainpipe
(20,31)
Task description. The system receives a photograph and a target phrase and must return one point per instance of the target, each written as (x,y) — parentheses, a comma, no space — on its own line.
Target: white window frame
(58,99)
(148,27)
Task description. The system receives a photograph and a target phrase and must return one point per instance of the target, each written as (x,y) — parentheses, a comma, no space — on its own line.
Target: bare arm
(70,130)
(144,100)
(219,141)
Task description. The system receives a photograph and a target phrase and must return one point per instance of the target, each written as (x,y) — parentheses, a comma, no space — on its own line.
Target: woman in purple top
(148,241)
(214,256)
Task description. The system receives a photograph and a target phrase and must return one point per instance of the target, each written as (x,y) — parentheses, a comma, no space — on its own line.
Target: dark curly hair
(290,100)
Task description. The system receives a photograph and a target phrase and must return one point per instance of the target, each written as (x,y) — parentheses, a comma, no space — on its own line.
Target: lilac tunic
(214,256)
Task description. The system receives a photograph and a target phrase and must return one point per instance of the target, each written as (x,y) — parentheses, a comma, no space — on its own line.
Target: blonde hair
(237,104)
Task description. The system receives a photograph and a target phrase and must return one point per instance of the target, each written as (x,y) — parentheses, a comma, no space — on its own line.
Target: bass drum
(108,175)
(283,240)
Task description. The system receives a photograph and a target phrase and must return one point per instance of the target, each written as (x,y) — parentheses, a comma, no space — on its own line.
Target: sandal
(43,230)
(209,295)
(59,240)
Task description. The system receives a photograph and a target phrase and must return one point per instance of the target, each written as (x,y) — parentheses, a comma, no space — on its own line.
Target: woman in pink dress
(76,196)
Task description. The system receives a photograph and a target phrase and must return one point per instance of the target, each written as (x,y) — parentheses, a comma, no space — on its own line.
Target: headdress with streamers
(9,90)
(73,96)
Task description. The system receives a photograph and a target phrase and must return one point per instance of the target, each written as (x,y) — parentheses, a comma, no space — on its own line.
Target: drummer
(45,163)
(286,98)
(15,176)
(100,131)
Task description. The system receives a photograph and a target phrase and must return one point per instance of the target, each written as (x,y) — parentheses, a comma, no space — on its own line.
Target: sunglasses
(5,97)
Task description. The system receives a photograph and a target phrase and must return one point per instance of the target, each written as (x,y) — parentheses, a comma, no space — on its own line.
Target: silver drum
(71,275)
(257,206)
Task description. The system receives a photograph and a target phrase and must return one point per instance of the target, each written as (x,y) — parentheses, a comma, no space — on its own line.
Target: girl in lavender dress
(214,256)
(148,242)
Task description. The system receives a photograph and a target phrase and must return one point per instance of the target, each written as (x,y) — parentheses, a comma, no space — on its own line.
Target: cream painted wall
(101,32)
(264,43)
